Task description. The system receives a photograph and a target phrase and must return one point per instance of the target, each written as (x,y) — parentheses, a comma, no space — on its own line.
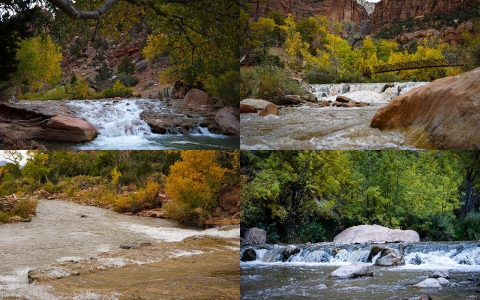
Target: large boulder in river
(255,236)
(375,234)
(444,113)
(68,129)
(197,99)
(228,121)
(358,269)
(257,103)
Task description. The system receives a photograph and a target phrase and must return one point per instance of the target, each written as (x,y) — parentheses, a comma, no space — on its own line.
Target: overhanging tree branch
(67,8)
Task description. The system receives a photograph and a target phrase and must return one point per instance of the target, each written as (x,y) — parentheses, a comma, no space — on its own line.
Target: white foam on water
(74,259)
(185,253)
(178,235)
(113,262)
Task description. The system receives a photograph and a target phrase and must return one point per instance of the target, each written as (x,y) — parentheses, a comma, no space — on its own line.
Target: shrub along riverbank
(126,181)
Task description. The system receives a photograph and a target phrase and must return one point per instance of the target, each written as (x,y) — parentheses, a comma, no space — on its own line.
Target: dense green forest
(127,181)
(310,196)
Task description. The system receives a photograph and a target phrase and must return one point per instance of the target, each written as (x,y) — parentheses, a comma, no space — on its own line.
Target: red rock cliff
(338,10)
(388,12)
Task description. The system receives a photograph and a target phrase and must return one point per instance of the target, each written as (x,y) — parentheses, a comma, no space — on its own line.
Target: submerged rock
(429,283)
(354,270)
(375,234)
(444,113)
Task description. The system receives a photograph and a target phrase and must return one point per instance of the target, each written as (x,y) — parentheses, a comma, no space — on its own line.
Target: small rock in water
(425,297)
(321,286)
(416,260)
(443,281)
(83,216)
(471,297)
(455,284)
(429,283)
(440,273)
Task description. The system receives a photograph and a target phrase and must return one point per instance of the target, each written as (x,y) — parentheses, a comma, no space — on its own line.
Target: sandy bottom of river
(196,268)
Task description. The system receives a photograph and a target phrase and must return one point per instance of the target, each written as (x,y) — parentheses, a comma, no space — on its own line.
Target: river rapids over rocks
(323,128)
(305,274)
(120,127)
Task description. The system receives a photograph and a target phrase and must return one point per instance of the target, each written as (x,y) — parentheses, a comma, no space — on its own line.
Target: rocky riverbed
(196,268)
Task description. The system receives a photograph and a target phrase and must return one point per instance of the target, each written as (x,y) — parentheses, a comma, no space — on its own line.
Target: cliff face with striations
(388,12)
(368,17)
(337,10)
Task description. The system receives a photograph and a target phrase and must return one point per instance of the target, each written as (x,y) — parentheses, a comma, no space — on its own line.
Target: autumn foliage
(193,182)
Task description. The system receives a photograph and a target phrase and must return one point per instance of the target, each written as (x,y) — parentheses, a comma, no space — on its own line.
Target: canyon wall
(338,10)
(368,17)
(388,12)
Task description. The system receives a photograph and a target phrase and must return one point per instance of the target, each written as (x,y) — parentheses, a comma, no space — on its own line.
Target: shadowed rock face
(375,234)
(444,113)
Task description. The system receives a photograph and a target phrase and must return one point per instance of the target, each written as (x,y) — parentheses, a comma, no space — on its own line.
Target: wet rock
(472,297)
(255,236)
(321,286)
(310,97)
(444,113)
(247,109)
(249,255)
(390,259)
(197,99)
(429,283)
(443,281)
(287,100)
(343,99)
(440,274)
(386,86)
(354,270)
(228,121)
(375,234)
(68,129)
(289,251)
(134,245)
(270,109)
(416,260)
(257,103)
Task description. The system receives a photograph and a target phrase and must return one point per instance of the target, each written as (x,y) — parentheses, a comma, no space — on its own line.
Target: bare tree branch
(67,8)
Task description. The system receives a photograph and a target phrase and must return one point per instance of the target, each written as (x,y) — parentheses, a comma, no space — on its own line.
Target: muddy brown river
(75,257)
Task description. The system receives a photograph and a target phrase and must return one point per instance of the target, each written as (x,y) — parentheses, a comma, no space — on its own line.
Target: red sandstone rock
(445,112)
(270,109)
(197,99)
(246,109)
(68,129)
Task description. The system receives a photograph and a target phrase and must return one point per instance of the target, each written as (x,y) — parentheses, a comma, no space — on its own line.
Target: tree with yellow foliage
(39,62)
(193,182)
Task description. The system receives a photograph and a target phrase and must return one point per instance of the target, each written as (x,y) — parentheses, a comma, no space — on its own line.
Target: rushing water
(120,127)
(59,233)
(308,127)
(305,275)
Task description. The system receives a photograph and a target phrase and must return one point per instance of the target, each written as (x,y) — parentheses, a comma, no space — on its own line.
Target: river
(59,234)
(306,274)
(120,127)
(327,128)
